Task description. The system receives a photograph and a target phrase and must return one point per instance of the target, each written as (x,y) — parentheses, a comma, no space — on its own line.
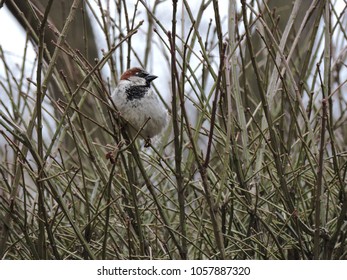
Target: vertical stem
(218,25)
(107,214)
(235,86)
(177,134)
(317,217)
(42,219)
(214,108)
(327,101)
(328,115)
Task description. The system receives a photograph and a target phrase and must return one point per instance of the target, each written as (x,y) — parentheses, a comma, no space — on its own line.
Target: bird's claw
(147,142)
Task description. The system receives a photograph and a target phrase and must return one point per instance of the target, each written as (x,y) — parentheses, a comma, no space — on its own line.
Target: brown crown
(130,72)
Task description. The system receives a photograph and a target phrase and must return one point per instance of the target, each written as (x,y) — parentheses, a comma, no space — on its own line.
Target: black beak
(150,78)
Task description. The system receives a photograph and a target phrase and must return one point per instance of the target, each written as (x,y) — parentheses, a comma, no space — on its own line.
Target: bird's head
(138,76)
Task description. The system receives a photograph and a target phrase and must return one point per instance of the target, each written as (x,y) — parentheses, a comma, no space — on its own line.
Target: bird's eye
(141,74)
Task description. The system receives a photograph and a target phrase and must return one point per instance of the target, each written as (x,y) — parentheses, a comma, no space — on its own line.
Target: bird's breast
(136,92)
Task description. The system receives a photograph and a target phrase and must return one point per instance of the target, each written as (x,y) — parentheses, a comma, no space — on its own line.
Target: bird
(139,105)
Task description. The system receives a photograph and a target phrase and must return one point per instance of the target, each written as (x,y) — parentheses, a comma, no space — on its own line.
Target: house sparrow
(139,105)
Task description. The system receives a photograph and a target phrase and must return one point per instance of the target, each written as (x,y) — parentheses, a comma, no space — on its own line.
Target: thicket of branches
(252,165)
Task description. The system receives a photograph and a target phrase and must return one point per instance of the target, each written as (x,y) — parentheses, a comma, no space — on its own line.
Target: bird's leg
(147,142)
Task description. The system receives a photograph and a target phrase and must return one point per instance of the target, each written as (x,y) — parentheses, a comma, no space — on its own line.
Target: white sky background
(12,39)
